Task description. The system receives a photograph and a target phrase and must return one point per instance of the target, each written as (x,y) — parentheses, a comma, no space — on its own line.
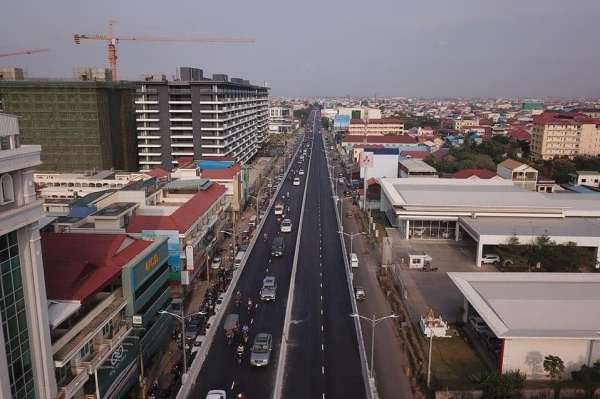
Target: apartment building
(460,124)
(198,117)
(377,127)
(81,124)
(26,369)
(281,120)
(564,134)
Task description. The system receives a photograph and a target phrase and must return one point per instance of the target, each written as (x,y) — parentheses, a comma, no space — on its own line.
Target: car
(301,172)
(245,245)
(490,258)
(286,226)
(491,341)
(269,289)
(296,181)
(198,342)
(359,293)
(261,350)
(216,263)
(191,328)
(219,302)
(478,324)
(347,193)
(447,234)
(418,231)
(216,394)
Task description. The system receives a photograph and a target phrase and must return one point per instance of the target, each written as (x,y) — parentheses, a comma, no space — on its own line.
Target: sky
(384,48)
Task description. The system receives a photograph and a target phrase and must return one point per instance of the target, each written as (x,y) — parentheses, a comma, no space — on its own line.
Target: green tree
(513,250)
(503,386)
(589,376)
(554,366)
(325,122)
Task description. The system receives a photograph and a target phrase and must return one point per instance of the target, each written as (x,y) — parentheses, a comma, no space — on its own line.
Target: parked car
(216,263)
(490,258)
(478,324)
(261,350)
(359,293)
(245,245)
(447,234)
(219,302)
(418,231)
(191,328)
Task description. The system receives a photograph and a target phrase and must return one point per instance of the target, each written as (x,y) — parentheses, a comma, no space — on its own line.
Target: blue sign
(341,123)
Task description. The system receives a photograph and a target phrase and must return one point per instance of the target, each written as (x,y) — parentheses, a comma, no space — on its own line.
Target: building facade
(377,127)
(199,117)
(566,134)
(281,119)
(26,369)
(81,125)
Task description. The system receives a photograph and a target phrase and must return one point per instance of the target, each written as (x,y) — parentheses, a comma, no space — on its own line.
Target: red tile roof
(78,266)
(480,173)
(519,134)
(184,217)
(182,161)
(369,146)
(358,139)
(221,174)
(415,154)
(394,121)
(157,172)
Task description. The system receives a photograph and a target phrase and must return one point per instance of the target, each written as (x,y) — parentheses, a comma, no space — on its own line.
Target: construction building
(82,124)
(564,134)
(198,117)
(25,346)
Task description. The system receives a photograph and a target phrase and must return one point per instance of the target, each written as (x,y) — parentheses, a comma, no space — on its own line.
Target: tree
(513,250)
(554,366)
(325,122)
(503,386)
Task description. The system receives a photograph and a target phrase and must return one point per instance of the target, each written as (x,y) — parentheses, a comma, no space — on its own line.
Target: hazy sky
(425,48)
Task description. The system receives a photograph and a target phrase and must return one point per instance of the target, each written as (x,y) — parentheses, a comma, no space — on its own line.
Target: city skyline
(389,48)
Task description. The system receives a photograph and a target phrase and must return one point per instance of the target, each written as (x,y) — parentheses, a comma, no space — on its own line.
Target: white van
(252,221)
(353,259)
(238,259)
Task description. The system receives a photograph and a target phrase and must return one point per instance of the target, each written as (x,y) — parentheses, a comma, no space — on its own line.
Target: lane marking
(251,320)
(323,371)
(232,385)
(321,328)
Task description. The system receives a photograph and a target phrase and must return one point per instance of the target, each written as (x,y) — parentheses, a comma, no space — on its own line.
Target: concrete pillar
(479,254)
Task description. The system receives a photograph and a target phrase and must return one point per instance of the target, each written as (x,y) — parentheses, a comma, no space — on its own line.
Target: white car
(490,258)
(219,302)
(296,181)
(478,324)
(216,263)
(216,394)
(301,172)
(286,226)
(418,232)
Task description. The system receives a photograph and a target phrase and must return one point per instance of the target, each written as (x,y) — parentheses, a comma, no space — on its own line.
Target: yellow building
(377,127)
(564,134)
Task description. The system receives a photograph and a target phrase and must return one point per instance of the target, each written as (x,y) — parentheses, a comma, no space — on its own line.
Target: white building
(26,369)
(488,212)
(281,120)
(535,315)
(360,113)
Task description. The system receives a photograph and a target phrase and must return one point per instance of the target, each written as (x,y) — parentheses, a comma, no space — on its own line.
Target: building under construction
(82,124)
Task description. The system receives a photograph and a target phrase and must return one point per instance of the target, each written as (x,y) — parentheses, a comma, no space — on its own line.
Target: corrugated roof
(222,174)
(184,217)
(91,198)
(157,172)
(511,164)
(77,266)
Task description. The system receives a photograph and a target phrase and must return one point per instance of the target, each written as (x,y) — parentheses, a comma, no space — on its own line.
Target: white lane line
(251,321)
(323,371)
(321,285)
(267,269)
(321,328)
(321,298)
(322,347)
(321,312)
(232,385)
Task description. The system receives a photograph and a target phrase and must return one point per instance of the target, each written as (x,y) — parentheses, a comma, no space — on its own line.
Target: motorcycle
(245,336)
(249,307)
(428,268)
(240,357)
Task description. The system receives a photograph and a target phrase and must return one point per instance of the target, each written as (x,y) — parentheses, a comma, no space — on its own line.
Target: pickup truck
(359,293)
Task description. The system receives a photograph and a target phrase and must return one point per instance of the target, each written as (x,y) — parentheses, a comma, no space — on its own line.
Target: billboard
(174,258)
(341,123)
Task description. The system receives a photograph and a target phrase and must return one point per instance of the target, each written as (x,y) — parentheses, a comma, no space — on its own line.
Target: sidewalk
(162,365)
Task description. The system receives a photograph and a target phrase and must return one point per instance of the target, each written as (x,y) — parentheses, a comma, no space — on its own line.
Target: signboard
(116,369)
(366,159)
(137,320)
(174,250)
(341,123)
(189,257)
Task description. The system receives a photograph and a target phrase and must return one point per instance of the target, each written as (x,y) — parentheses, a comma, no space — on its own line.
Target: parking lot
(435,290)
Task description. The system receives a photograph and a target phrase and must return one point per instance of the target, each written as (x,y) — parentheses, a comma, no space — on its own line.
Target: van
(238,259)
(353,259)
(277,248)
(252,222)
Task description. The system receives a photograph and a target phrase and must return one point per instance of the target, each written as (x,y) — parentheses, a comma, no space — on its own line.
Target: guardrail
(370,391)
(194,370)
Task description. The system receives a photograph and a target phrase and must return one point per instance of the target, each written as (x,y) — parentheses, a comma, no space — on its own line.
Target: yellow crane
(113,40)
(38,50)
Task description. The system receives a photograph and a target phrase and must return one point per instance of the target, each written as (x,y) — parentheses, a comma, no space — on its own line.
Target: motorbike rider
(265,237)
(245,329)
(240,350)
(249,302)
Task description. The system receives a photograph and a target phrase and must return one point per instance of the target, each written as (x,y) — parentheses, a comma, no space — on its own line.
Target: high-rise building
(82,124)
(26,368)
(564,134)
(198,117)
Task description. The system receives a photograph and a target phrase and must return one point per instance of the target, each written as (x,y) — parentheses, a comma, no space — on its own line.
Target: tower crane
(113,40)
(38,50)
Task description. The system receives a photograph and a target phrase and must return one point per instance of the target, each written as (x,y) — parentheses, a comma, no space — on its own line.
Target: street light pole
(352,236)
(373,323)
(429,357)
(182,320)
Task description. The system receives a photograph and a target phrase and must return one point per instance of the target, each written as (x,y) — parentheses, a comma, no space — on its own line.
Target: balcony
(147,119)
(72,384)
(106,346)
(151,153)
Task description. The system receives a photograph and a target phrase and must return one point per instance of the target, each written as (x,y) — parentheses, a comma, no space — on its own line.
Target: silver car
(261,350)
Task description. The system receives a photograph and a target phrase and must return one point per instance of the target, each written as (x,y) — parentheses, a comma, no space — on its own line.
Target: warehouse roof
(535,305)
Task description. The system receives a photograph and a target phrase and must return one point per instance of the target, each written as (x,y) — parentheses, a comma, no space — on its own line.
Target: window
(87,349)
(107,329)
(6,187)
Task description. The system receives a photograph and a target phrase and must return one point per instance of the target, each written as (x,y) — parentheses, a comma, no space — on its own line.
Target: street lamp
(352,236)
(373,322)
(339,199)
(182,319)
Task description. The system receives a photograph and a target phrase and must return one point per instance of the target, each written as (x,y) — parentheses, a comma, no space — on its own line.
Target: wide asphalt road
(323,357)
(220,370)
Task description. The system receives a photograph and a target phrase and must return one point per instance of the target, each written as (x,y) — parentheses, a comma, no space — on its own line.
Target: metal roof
(535,305)
(525,228)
